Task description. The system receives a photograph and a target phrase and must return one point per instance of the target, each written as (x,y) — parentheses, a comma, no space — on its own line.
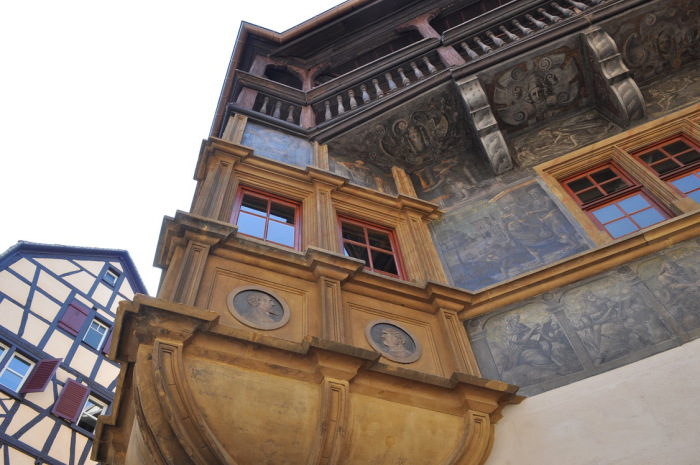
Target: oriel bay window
(373,244)
(676,161)
(267,217)
(613,200)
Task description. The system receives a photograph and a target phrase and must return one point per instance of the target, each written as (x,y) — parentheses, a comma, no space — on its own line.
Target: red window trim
(242,190)
(395,250)
(673,174)
(633,188)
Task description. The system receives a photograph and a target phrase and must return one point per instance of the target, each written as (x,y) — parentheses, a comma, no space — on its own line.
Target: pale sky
(103,107)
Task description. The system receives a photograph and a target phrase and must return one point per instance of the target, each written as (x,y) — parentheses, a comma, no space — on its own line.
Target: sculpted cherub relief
(534,90)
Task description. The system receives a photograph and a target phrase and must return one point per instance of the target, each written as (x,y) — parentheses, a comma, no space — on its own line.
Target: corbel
(483,124)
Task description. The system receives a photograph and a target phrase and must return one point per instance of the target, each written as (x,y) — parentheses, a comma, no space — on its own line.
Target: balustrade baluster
(416,71)
(278,110)
(496,41)
(390,81)
(525,30)
(353,102)
(429,65)
(577,5)
(329,115)
(341,108)
(510,35)
(471,53)
(365,95)
(564,11)
(290,115)
(483,46)
(377,89)
(404,80)
(263,108)
(539,24)
(551,18)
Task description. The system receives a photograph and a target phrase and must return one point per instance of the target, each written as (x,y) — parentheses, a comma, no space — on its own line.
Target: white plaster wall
(645,413)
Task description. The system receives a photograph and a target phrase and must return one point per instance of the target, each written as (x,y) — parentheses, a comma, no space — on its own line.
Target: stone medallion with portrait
(392,341)
(258,307)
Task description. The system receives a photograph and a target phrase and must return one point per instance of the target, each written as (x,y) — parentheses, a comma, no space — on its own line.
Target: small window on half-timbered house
(676,161)
(111,276)
(375,245)
(96,334)
(267,217)
(614,201)
(92,409)
(76,405)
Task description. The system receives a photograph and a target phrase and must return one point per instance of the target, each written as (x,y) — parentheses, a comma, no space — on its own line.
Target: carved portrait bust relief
(392,341)
(258,307)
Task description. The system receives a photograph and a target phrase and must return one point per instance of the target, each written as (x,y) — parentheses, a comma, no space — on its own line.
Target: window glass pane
(608,213)
(3,349)
(282,213)
(687,183)
(589,195)
(10,380)
(384,262)
(603,175)
(254,205)
(379,239)
(580,184)
(676,147)
(652,157)
(665,166)
(95,334)
(19,366)
(633,204)
(614,186)
(356,251)
(92,410)
(353,232)
(695,195)
(688,158)
(280,233)
(620,227)
(251,225)
(648,217)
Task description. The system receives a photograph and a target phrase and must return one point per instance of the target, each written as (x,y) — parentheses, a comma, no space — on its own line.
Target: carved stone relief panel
(595,325)
(658,40)
(537,88)
(416,134)
(496,239)
(561,137)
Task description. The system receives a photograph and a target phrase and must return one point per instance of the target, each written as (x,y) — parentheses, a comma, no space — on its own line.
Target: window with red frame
(375,245)
(614,201)
(676,161)
(267,217)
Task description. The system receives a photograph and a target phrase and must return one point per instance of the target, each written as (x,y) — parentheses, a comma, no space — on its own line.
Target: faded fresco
(562,137)
(674,92)
(363,173)
(493,240)
(271,143)
(659,40)
(588,327)
(674,278)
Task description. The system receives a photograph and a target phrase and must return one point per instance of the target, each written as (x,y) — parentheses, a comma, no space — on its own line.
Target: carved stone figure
(534,90)
(681,292)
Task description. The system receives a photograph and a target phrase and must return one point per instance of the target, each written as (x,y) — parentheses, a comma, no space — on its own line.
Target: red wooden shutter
(40,376)
(74,317)
(71,400)
(105,349)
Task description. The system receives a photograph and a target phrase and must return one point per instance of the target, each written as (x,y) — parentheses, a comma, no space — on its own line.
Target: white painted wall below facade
(645,413)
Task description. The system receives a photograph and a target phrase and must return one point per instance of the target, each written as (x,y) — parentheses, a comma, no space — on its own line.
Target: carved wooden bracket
(616,93)
(484,125)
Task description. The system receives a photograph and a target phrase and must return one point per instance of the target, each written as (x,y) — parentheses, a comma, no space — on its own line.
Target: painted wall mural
(363,173)
(277,145)
(492,240)
(562,136)
(595,325)
(674,92)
